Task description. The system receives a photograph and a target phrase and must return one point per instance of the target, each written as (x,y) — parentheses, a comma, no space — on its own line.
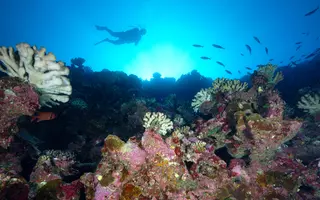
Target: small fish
(318,38)
(197,45)
(303,55)
(205,58)
(241,54)
(298,47)
(291,57)
(298,42)
(281,61)
(228,71)
(239,72)
(43,116)
(220,63)
(249,48)
(310,55)
(306,33)
(256,39)
(293,64)
(248,68)
(217,46)
(267,50)
(312,12)
(271,59)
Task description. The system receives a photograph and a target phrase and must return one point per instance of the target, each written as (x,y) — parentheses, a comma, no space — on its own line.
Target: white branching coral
(39,69)
(157,122)
(202,96)
(310,104)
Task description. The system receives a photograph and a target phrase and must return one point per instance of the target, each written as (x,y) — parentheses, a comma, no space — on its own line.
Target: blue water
(67,28)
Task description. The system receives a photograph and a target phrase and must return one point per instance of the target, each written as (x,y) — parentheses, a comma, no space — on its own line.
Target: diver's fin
(104,40)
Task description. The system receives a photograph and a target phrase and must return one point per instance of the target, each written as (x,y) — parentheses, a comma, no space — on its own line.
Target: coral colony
(171,160)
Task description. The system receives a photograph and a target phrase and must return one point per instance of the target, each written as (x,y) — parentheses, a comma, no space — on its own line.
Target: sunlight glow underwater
(166,59)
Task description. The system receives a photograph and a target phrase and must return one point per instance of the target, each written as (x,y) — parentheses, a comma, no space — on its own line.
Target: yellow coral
(226,85)
(112,143)
(181,132)
(268,71)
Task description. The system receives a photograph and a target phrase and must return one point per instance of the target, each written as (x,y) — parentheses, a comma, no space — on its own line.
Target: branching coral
(39,69)
(157,122)
(180,132)
(310,103)
(268,71)
(202,96)
(225,85)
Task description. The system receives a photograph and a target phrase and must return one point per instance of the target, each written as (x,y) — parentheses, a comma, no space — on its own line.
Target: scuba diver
(130,36)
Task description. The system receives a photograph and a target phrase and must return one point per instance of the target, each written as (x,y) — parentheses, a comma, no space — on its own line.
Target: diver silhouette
(124,37)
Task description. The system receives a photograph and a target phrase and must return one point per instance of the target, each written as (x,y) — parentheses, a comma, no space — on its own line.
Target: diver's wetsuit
(124,37)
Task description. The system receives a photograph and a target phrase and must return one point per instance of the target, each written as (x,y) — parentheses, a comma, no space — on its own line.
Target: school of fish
(249,49)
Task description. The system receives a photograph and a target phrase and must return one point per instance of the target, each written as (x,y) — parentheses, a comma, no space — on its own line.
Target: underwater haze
(67,28)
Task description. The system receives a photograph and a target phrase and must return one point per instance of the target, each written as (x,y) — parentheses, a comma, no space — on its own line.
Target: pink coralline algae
(273,105)
(261,136)
(157,173)
(164,175)
(16,99)
(12,185)
(47,176)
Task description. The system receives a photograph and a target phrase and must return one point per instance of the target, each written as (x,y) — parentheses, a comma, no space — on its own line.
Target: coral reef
(236,145)
(39,69)
(184,164)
